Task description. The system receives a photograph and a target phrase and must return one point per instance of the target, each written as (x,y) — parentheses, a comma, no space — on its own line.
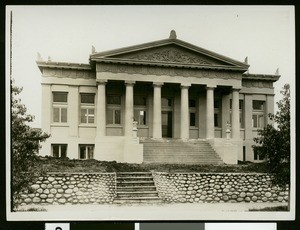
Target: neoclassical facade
(162,90)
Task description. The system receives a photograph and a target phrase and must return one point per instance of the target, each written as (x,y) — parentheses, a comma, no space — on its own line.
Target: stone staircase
(179,152)
(136,187)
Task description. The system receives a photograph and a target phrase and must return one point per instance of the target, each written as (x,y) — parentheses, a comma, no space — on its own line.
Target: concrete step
(136,188)
(134,178)
(147,200)
(135,183)
(137,194)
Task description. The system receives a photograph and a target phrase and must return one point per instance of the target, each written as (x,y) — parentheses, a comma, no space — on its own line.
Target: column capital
(129,82)
(101,81)
(235,89)
(158,84)
(210,87)
(185,85)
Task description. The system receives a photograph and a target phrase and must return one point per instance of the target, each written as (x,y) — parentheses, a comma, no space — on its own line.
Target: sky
(264,34)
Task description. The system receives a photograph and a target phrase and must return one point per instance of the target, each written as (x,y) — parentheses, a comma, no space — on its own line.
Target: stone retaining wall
(77,188)
(218,187)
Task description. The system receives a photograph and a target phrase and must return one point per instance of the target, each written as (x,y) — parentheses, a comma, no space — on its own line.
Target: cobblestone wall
(228,187)
(77,188)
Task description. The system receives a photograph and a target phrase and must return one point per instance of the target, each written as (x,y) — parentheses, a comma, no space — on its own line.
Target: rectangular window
(258,105)
(60,107)
(192,103)
(258,116)
(113,100)
(113,112)
(60,97)
(86,152)
(192,111)
(87,110)
(258,121)
(257,156)
(140,116)
(113,116)
(217,113)
(140,108)
(241,112)
(216,119)
(59,150)
(217,104)
(140,100)
(166,102)
(192,119)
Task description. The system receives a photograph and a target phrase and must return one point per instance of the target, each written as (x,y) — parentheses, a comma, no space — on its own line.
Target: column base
(118,148)
(227,149)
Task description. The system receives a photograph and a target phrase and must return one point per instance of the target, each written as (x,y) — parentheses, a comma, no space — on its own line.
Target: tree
(273,143)
(25,143)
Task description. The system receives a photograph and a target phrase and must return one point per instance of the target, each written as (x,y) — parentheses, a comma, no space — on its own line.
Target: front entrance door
(166,121)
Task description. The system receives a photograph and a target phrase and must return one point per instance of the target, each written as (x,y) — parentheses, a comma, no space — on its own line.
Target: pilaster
(101,109)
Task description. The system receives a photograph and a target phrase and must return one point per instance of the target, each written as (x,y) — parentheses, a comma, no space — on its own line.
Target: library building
(166,101)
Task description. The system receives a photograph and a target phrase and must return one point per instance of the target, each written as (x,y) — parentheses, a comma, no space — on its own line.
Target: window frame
(59,150)
(193,110)
(86,153)
(138,108)
(217,112)
(114,108)
(88,107)
(60,105)
(258,116)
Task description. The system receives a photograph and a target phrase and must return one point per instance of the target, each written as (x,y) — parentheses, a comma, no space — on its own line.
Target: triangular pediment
(170,54)
(169,51)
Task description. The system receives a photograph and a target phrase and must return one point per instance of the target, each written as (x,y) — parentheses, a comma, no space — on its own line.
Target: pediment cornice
(173,52)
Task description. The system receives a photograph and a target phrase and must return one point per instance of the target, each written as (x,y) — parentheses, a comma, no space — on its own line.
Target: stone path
(174,211)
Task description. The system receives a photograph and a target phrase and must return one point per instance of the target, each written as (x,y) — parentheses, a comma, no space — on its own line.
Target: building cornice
(62,65)
(169,64)
(160,43)
(261,77)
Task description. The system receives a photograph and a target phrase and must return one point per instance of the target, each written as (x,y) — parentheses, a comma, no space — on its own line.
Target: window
(257,156)
(87,110)
(166,102)
(257,121)
(217,111)
(113,114)
(241,113)
(60,107)
(59,150)
(140,108)
(192,119)
(192,110)
(258,114)
(86,152)
(258,105)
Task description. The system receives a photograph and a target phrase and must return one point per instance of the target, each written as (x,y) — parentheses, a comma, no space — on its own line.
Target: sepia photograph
(150,113)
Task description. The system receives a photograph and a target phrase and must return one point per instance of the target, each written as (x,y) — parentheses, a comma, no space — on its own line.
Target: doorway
(166,121)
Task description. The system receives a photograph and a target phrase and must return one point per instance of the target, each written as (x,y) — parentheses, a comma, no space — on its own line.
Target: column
(157,110)
(129,108)
(73,106)
(248,117)
(184,112)
(225,113)
(235,114)
(269,109)
(101,109)
(210,127)
(46,108)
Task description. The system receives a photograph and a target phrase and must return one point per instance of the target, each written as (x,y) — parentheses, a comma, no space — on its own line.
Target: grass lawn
(49,164)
